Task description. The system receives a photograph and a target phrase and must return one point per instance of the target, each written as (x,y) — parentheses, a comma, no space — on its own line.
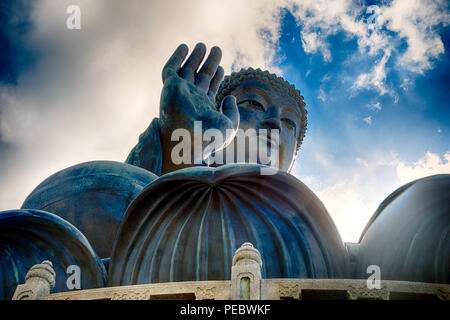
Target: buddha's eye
(289,123)
(252,104)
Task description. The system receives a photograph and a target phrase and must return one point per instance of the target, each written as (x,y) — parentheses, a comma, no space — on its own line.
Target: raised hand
(188,95)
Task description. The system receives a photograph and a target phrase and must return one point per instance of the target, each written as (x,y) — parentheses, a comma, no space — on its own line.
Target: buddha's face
(262,106)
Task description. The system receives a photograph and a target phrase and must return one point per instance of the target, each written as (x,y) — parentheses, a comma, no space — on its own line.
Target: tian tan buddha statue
(211,173)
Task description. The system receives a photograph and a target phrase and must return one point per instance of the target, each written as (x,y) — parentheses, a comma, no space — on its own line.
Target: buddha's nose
(272,119)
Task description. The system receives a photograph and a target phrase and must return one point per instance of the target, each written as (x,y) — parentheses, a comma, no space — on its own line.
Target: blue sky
(377,98)
(352,127)
(407,123)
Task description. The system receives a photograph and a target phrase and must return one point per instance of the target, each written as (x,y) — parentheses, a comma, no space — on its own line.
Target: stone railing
(245,284)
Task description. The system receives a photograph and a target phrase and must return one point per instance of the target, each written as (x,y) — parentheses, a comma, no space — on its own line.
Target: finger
(209,68)
(215,83)
(174,62)
(193,62)
(229,108)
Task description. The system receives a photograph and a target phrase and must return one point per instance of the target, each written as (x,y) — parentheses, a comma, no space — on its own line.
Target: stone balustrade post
(39,281)
(246,273)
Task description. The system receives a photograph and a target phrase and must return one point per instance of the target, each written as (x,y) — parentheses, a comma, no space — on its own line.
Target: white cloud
(414,22)
(322,95)
(349,207)
(312,43)
(319,19)
(428,165)
(352,193)
(406,84)
(375,78)
(94,90)
(374,106)
(368,120)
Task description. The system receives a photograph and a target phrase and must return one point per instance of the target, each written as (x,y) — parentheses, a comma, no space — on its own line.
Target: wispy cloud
(352,193)
(428,165)
(375,78)
(94,90)
(414,22)
(368,120)
(322,95)
(374,106)
(312,43)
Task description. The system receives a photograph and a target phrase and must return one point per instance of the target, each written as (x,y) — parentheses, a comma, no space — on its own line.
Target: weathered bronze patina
(152,219)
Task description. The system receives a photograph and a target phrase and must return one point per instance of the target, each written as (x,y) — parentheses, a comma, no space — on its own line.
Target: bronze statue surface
(212,173)
(247,100)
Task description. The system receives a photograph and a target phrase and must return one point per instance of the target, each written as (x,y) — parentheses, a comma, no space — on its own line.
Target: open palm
(188,95)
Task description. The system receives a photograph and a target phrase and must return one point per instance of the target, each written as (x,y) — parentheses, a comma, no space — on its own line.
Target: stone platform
(245,284)
(271,289)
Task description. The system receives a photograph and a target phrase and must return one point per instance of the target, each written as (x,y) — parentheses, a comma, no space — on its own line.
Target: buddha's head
(266,101)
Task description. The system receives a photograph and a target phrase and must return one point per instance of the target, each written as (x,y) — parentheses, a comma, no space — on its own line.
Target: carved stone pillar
(246,273)
(39,281)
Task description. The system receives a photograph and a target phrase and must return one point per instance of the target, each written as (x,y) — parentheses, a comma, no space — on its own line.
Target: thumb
(230,110)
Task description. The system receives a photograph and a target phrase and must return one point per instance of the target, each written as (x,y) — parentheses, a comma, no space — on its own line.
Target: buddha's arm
(147,153)
(187,97)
